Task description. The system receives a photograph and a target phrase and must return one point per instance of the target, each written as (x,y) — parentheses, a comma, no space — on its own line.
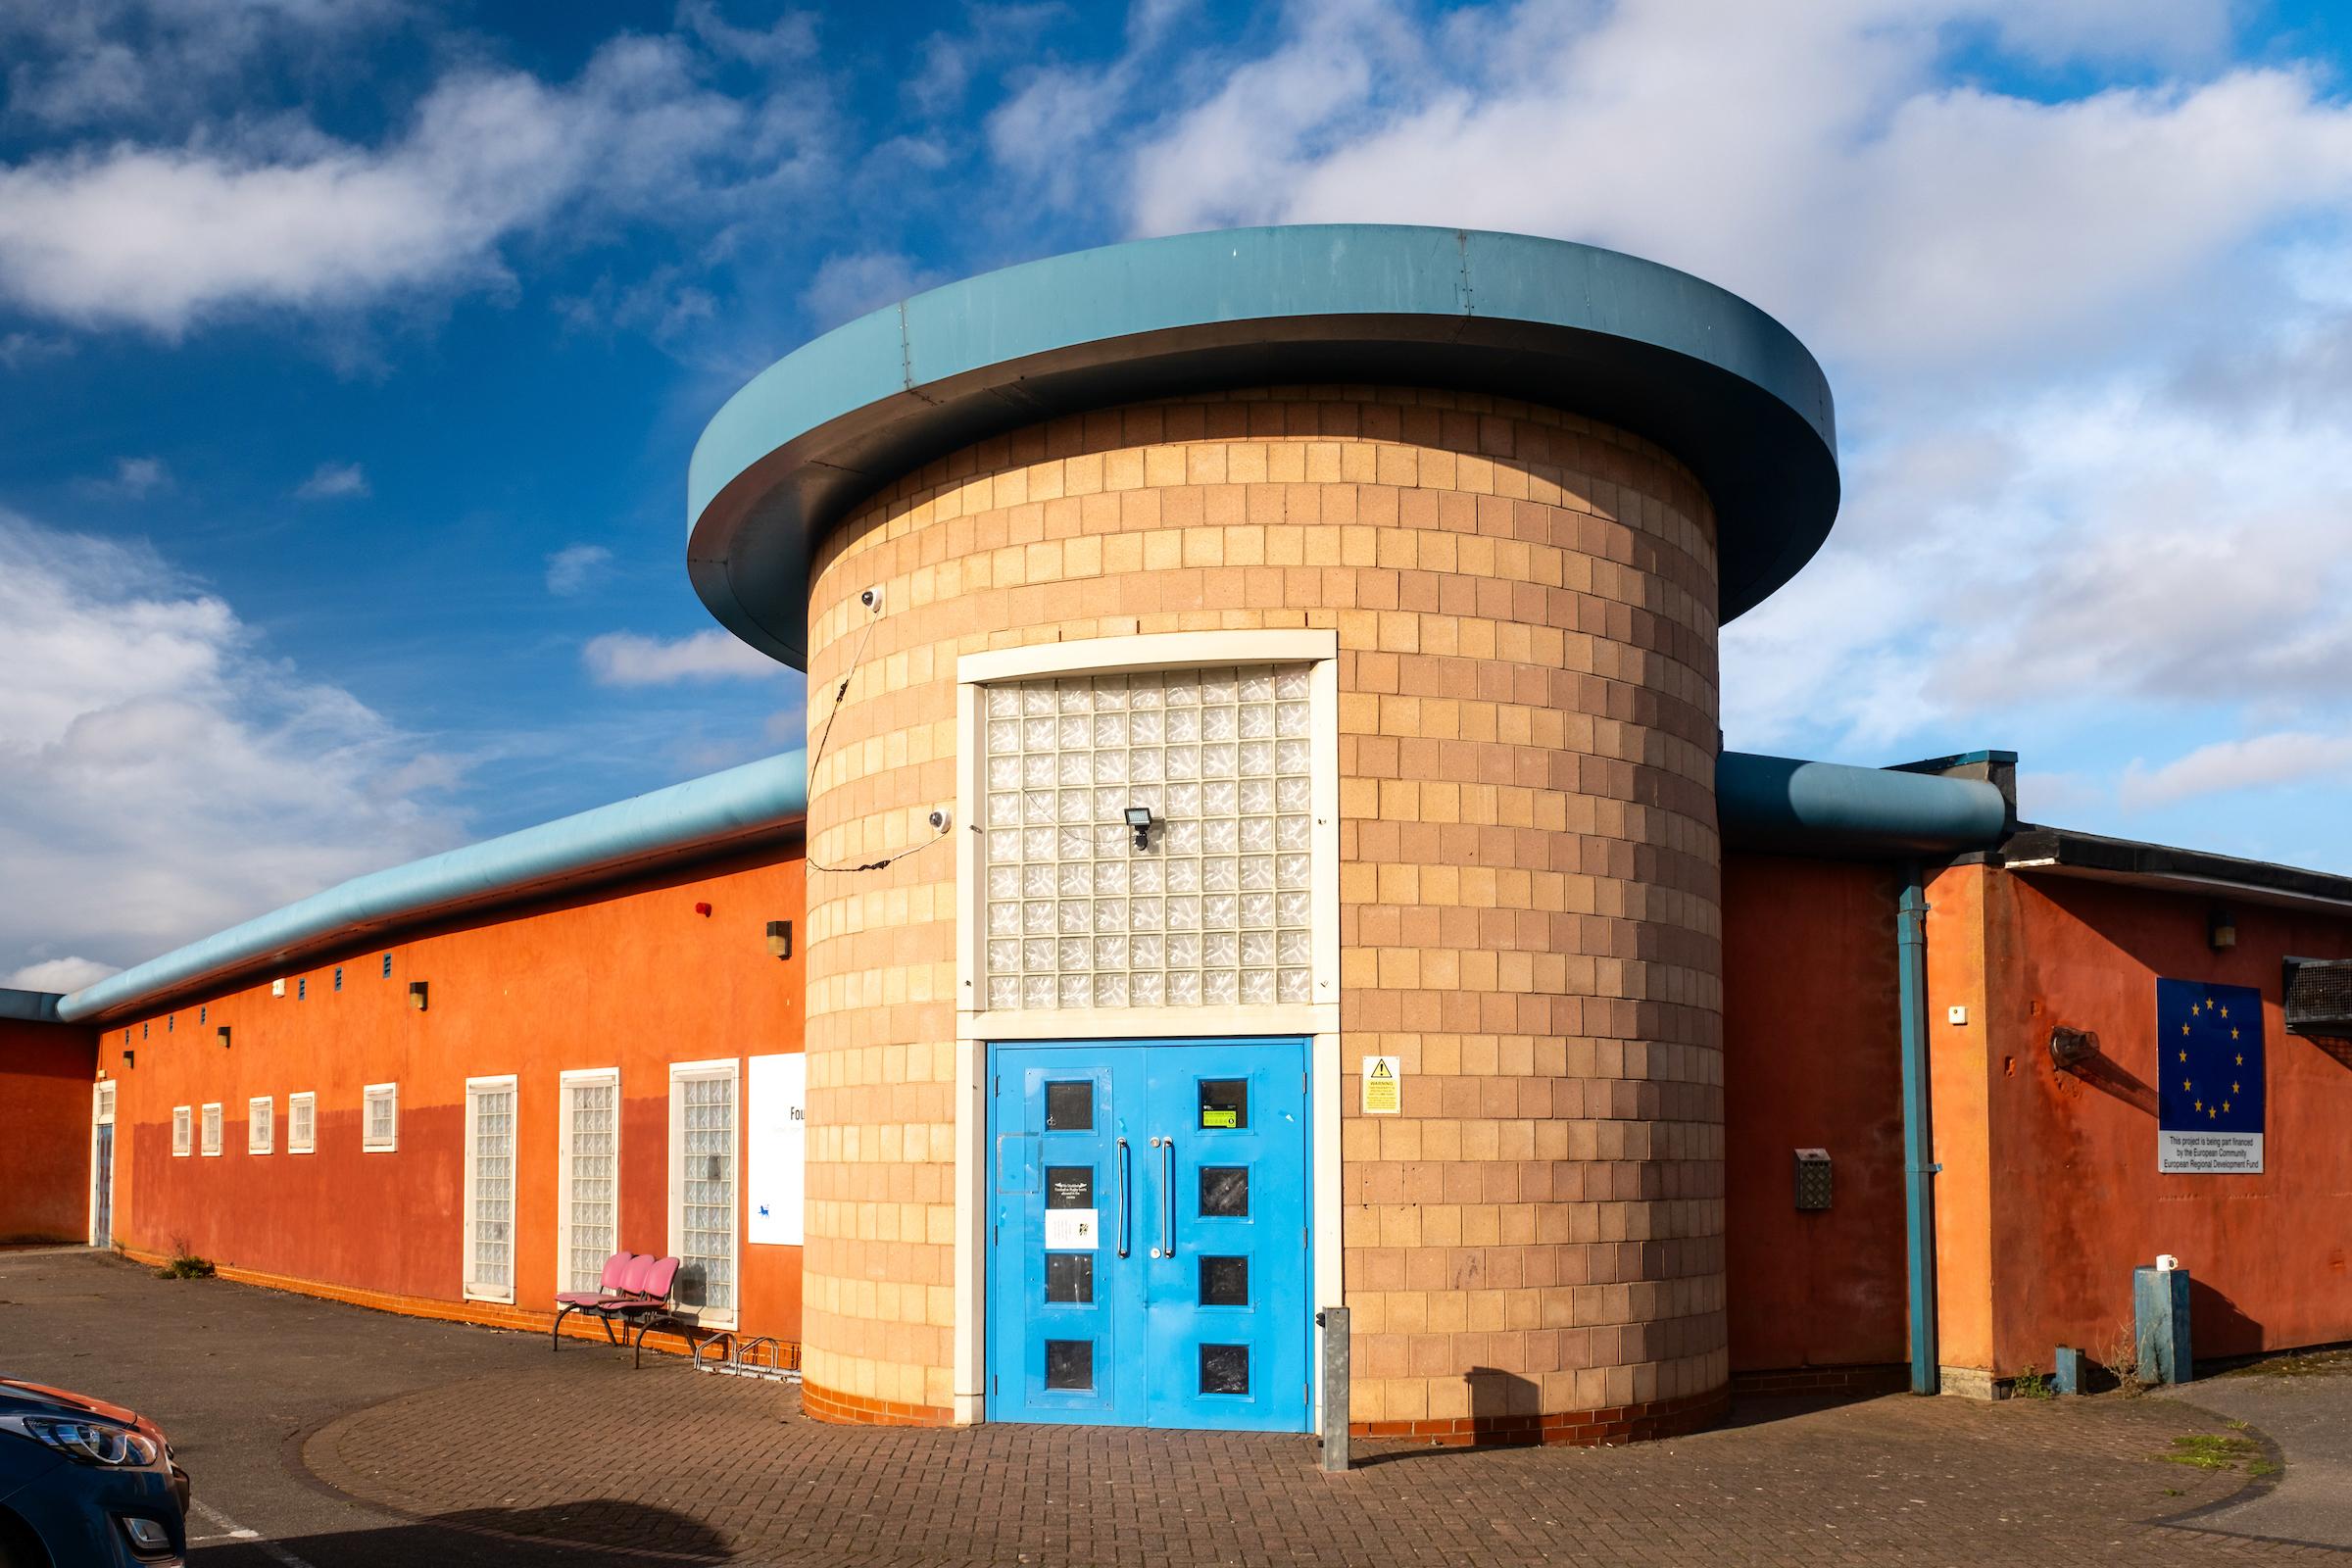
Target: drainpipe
(1918,1172)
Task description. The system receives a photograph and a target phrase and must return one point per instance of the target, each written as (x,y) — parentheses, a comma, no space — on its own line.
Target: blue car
(85,1482)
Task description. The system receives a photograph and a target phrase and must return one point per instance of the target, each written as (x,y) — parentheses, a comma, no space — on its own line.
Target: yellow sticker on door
(1382,1086)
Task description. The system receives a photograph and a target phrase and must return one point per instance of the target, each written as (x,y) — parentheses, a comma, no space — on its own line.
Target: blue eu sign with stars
(2209,1094)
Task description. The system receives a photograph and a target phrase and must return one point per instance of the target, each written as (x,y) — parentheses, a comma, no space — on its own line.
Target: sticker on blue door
(1150,1251)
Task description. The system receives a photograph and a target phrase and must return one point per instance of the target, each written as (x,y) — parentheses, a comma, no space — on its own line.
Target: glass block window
(182,1123)
(1216,907)
(591,1179)
(302,1122)
(379,1117)
(490,1191)
(705,1152)
(212,1129)
(260,1125)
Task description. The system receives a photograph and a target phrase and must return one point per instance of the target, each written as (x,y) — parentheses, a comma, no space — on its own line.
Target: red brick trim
(1862,1382)
(847,1409)
(1625,1423)
(487,1314)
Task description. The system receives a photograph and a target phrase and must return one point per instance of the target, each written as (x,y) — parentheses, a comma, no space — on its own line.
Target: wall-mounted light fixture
(779,938)
(224,1033)
(2221,929)
(1139,817)
(2070,1049)
(416,995)
(130,1059)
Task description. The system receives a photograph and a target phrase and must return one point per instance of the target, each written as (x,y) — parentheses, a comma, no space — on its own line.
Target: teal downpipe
(711,812)
(1919,1170)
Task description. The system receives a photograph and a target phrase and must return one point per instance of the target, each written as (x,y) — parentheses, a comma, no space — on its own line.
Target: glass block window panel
(591,1180)
(490,1211)
(212,1129)
(1070,1364)
(1071,1107)
(706,1188)
(1217,907)
(1070,1278)
(1224,1192)
(1224,1369)
(261,1126)
(182,1126)
(1224,1282)
(302,1123)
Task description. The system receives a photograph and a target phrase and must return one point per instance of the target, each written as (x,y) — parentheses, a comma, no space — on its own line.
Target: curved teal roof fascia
(703,813)
(28,1007)
(1831,808)
(1702,372)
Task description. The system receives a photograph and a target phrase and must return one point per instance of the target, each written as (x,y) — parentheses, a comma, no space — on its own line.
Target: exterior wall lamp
(2221,929)
(416,995)
(779,938)
(1139,817)
(223,1031)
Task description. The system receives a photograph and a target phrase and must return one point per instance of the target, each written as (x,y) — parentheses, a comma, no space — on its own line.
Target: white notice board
(775,1147)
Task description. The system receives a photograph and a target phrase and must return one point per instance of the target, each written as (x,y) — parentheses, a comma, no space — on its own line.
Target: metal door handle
(1167,1198)
(1124,1157)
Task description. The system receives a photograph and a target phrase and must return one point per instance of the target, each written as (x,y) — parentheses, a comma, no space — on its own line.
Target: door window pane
(1224,1192)
(1224,1103)
(1070,1278)
(1224,1369)
(1071,1107)
(1224,1282)
(1069,1364)
(1069,1185)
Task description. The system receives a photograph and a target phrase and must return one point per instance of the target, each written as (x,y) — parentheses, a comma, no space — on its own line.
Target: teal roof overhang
(1709,377)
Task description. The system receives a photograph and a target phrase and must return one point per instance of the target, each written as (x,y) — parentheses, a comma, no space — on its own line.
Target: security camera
(872,599)
(942,819)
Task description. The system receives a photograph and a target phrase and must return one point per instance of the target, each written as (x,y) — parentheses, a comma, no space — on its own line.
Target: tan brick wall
(1525,604)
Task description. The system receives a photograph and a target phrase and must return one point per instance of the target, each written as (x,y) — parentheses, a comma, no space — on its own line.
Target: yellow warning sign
(1382,1086)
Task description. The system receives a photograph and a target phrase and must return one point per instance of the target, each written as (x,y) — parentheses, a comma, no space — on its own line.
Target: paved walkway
(2303,1408)
(336,1437)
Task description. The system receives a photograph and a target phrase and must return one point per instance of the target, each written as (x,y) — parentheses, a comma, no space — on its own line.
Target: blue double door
(1150,1251)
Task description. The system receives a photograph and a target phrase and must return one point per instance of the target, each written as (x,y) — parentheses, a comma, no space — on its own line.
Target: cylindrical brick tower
(1511,485)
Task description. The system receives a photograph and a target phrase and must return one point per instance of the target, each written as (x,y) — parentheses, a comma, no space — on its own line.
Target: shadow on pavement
(594,1533)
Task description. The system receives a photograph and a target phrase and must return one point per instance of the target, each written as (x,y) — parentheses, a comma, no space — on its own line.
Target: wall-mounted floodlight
(416,995)
(779,938)
(1139,817)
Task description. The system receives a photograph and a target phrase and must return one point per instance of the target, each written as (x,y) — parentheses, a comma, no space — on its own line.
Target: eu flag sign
(2209,1071)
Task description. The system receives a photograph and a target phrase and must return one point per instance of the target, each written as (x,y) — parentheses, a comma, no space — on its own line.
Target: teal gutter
(1831,808)
(1706,376)
(758,800)
(28,1007)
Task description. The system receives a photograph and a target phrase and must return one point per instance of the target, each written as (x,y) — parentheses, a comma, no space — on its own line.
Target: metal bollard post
(1334,1322)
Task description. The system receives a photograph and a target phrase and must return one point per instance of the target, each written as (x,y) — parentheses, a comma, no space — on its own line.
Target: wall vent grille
(2318,996)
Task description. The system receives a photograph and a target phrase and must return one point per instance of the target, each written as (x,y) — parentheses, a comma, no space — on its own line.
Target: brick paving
(354,1440)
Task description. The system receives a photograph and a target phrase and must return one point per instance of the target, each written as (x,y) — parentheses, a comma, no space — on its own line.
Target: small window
(1224,1282)
(1070,1364)
(183,1117)
(302,1123)
(1071,1279)
(380,1119)
(260,1125)
(1224,1103)
(1224,1192)
(212,1129)
(1070,1107)
(1224,1369)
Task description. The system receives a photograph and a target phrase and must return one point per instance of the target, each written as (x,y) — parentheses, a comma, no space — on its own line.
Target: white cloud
(163,236)
(134,479)
(164,778)
(2288,757)
(847,286)
(61,975)
(627,659)
(574,568)
(334,482)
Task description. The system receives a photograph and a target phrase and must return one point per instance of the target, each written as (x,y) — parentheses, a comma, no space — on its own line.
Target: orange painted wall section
(626,976)
(1812,1040)
(2270,1256)
(1960,1132)
(45,1075)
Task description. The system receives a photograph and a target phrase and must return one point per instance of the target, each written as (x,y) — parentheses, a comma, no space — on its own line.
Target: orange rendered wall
(2074,1158)
(1812,1037)
(626,976)
(45,1074)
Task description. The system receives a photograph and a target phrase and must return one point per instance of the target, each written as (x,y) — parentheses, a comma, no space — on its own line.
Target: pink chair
(621,1273)
(645,1299)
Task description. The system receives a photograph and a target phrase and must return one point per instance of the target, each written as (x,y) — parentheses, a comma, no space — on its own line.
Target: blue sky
(351,352)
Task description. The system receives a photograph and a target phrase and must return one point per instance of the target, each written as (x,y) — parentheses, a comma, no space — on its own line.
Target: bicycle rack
(761,1357)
